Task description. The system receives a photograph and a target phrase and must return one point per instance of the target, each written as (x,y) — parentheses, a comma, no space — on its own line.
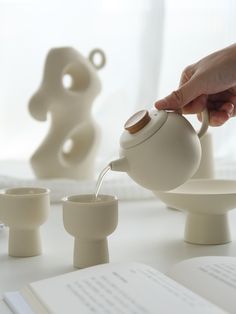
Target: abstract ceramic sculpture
(160,150)
(90,220)
(70,147)
(206,202)
(23,210)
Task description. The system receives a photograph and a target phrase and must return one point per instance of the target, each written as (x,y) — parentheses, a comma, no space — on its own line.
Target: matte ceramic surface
(206,169)
(23,210)
(163,153)
(70,147)
(90,221)
(207,202)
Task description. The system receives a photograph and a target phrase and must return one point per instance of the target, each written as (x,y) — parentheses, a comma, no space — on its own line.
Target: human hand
(211,83)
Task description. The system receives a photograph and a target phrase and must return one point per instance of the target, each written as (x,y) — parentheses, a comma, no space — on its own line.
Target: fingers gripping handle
(205,123)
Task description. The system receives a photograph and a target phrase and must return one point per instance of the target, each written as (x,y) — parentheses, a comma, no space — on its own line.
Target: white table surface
(147,232)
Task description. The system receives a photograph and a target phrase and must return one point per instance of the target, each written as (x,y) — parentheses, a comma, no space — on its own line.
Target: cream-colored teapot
(160,150)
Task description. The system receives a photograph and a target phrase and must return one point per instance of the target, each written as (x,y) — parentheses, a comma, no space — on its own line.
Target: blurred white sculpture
(70,147)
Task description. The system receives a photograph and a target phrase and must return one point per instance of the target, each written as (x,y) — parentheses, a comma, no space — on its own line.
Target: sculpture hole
(76,77)
(67,81)
(67,147)
(97,59)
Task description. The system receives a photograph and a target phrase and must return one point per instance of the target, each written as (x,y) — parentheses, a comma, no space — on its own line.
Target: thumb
(181,97)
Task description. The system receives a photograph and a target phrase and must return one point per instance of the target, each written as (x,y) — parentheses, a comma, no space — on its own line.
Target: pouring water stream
(100,180)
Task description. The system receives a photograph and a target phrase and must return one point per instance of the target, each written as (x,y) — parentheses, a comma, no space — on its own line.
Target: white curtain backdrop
(147,43)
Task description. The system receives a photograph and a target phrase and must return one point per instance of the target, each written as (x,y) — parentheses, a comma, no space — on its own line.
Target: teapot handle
(205,123)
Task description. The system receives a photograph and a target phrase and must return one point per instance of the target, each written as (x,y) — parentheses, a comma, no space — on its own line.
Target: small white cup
(90,221)
(23,210)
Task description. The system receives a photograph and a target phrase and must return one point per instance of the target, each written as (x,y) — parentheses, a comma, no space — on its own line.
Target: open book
(204,285)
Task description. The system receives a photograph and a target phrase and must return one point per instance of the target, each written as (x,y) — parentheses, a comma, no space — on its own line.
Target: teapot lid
(141,126)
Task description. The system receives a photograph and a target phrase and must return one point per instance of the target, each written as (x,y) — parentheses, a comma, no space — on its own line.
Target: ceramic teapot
(160,150)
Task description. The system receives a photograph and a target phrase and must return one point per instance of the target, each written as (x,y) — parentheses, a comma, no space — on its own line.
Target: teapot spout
(119,165)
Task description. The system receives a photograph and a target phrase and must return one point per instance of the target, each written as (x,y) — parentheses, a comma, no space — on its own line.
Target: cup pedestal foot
(207,229)
(24,243)
(90,252)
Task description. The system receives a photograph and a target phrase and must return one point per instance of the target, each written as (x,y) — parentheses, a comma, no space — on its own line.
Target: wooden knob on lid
(137,121)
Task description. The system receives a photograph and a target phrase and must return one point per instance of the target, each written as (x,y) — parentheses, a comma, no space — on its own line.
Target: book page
(118,289)
(213,277)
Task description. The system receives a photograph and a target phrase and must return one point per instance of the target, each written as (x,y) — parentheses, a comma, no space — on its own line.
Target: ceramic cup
(23,210)
(90,220)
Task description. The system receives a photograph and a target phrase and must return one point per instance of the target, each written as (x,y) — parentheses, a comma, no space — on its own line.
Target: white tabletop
(147,232)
